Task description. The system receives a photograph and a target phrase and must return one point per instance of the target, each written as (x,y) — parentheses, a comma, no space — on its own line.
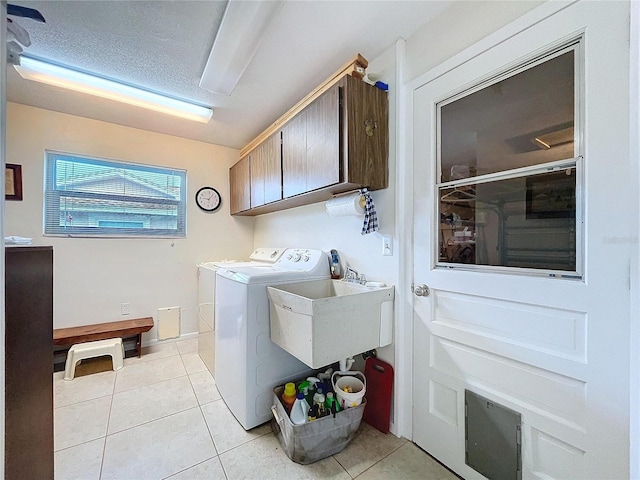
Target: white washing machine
(248,364)
(206,297)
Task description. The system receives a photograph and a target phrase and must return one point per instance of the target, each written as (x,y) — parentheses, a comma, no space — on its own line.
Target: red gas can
(379,375)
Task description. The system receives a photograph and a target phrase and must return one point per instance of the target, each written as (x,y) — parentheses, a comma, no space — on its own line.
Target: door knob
(421,290)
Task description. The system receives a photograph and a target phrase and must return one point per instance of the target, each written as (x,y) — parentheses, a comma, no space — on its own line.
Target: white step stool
(99,348)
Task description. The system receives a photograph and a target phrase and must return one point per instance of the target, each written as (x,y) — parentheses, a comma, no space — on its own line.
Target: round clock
(208,199)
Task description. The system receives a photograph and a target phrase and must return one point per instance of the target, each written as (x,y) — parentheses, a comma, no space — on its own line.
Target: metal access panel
(493,438)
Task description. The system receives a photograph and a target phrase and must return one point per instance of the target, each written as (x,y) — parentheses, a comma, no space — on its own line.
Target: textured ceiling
(164,45)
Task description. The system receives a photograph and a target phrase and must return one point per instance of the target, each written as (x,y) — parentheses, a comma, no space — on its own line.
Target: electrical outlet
(124,309)
(387,245)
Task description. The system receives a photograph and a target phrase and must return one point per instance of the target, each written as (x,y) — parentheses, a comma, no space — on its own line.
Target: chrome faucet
(350,275)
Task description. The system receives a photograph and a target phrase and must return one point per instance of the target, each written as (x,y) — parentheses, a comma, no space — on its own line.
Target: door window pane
(527,222)
(524,120)
(508,170)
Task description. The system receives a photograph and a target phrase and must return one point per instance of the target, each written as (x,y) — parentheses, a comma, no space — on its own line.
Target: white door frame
(634,151)
(403,392)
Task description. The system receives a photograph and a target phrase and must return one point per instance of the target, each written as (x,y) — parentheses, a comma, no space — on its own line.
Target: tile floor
(161,416)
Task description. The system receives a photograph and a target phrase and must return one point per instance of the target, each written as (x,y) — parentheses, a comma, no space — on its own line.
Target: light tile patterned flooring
(161,416)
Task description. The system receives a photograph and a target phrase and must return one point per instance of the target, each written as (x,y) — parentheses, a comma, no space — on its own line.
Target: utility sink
(325,321)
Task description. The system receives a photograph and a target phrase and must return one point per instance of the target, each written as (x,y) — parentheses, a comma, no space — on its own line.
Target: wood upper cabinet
(311,146)
(294,156)
(337,143)
(365,135)
(266,172)
(240,186)
(256,179)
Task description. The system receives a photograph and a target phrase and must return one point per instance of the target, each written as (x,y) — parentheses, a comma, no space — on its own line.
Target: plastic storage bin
(313,441)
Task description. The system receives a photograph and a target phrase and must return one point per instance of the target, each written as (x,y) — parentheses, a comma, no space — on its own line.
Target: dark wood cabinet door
(29,363)
(294,156)
(266,172)
(311,146)
(323,141)
(272,168)
(366,140)
(240,186)
(257,169)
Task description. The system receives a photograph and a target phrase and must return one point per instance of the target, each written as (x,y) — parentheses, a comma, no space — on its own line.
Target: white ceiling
(164,46)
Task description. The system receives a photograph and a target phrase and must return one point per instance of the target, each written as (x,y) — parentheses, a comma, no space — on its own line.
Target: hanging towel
(370,215)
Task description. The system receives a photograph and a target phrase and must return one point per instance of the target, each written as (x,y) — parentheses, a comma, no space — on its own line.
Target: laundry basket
(313,441)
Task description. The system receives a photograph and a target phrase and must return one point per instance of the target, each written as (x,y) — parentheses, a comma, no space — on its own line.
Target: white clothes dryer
(206,297)
(248,364)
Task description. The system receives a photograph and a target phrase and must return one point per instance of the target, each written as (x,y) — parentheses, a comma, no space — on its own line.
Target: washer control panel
(267,254)
(302,259)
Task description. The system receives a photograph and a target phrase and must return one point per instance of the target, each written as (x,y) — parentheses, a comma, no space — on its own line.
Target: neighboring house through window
(95,197)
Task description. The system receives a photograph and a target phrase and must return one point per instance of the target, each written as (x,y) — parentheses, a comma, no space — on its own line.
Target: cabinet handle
(370,126)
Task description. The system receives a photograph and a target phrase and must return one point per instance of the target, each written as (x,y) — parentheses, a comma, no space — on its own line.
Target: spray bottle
(334,264)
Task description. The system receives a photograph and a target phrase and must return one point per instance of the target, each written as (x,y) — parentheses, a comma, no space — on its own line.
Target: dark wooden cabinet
(256,179)
(337,143)
(265,166)
(365,136)
(294,156)
(28,363)
(240,186)
(311,146)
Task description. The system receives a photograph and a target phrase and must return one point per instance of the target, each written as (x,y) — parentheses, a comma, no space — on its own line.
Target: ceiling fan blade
(26,12)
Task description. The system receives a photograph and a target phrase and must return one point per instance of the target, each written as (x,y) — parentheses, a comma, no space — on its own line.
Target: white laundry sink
(325,321)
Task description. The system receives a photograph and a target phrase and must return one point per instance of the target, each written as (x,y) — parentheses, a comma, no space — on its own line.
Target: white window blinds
(94,197)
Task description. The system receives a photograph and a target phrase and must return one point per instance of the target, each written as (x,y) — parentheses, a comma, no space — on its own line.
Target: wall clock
(208,199)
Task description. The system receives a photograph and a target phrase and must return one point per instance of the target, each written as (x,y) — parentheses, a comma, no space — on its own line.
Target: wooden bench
(101,331)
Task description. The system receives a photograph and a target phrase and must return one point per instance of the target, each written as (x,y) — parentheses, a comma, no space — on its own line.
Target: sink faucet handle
(350,275)
(362,278)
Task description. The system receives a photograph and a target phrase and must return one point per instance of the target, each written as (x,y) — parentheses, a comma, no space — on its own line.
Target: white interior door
(550,345)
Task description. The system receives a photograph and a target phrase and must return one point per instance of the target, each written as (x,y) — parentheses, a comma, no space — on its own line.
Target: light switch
(387,245)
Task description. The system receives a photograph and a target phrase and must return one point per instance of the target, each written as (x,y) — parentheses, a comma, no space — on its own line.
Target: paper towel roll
(346,205)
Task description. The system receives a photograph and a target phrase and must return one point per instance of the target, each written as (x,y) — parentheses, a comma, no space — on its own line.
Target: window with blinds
(92,197)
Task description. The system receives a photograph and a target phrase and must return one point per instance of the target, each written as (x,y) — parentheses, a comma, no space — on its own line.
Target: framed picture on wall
(13,182)
(551,195)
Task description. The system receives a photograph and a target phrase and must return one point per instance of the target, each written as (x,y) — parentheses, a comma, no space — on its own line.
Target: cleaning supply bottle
(289,396)
(313,413)
(313,381)
(300,410)
(319,401)
(334,264)
(320,390)
(331,403)
(304,389)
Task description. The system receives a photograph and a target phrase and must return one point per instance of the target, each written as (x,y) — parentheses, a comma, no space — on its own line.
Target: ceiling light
(554,139)
(240,33)
(40,71)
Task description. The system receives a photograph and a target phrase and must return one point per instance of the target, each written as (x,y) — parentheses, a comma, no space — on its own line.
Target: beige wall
(93,276)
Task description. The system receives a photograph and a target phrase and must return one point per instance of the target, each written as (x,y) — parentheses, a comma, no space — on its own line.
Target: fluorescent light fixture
(44,72)
(241,31)
(554,139)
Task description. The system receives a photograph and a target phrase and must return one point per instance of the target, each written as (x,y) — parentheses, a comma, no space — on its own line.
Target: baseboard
(155,341)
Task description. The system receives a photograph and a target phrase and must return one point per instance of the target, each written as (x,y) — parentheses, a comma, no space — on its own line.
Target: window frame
(578,161)
(51,200)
